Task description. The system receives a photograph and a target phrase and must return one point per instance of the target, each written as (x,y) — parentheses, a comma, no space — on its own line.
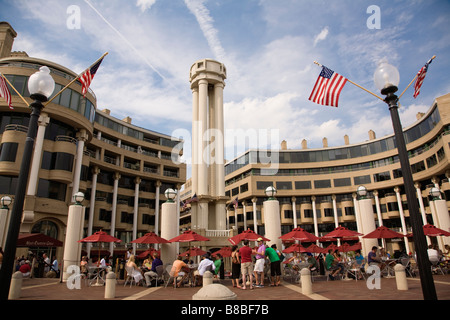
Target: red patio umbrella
(341,232)
(246,235)
(383,233)
(295,248)
(150,237)
(146,253)
(300,235)
(315,249)
(224,252)
(345,247)
(100,236)
(356,246)
(195,251)
(331,246)
(189,236)
(431,231)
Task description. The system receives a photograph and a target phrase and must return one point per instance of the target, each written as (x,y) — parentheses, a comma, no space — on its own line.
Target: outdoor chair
(130,277)
(159,275)
(436,267)
(168,268)
(406,262)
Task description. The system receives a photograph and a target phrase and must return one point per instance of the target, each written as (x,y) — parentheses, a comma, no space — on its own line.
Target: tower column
(202,179)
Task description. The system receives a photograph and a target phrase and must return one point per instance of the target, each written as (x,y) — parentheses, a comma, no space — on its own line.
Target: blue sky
(268,48)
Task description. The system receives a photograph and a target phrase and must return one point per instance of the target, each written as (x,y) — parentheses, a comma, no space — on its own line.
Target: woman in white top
(133,270)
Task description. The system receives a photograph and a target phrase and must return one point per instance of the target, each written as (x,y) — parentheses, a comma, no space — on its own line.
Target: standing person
(217,264)
(259,265)
(275,265)
(246,264)
(47,263)
(235,266)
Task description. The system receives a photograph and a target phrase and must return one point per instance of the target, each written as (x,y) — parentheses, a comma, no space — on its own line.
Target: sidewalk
(52,289)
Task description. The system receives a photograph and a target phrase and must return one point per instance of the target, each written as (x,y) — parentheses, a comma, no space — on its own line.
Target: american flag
(328,86)
(87,76)
(4,92)
(420,77)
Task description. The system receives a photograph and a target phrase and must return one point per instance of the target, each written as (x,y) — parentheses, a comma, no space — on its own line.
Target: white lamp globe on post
(362,192)
(435,193)
(78,198)
(170,194)
(387,78)
(40,86)
(6,201)
(271,192)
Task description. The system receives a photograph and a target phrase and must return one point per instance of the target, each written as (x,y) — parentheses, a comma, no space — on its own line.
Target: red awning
(37,240)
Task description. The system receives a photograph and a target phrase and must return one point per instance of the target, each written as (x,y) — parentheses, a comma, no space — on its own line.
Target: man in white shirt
(433,254)
(205,265)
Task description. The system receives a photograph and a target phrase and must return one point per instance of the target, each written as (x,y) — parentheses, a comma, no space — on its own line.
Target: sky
(268,47)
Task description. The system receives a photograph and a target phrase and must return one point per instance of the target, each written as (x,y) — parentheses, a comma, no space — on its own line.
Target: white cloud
(321,36)
(145,4)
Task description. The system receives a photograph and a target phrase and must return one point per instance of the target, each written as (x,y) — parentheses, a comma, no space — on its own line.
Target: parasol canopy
(432,231)
(341,232)
(195,251)
(246,235)
(150,237)
(345,247)
(189,236)
(295,248)
(224,252)
(146,253)
(300,235)
(314,248)
(100,236)
(383,233)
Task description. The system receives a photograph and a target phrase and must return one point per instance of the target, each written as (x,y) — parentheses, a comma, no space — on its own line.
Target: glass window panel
(65,98)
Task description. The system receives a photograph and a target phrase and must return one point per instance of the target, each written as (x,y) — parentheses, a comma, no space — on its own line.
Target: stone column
(316,227)
(168,231)
(336,218)
(74,232)
(135,211)
(379,214)
(82,137)
(95,173)
(422,207)
(255,217)
(244,215)
(294,211)
(367,224)
(157,194)
(402,217)
(195,140)
(203,120)
(272,222)
(114,210)
(219,140)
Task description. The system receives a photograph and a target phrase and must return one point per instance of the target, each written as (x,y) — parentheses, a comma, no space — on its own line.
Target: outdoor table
(389,264)
(191,277)
(97,271)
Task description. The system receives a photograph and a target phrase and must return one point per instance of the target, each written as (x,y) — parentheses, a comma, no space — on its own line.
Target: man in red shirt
(246,264)
(25,269)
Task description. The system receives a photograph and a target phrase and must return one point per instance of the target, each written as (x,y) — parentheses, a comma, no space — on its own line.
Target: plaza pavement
(53,289)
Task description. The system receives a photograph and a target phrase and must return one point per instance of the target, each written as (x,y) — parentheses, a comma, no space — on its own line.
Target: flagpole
(356,84)
(412,81)
(23,99)
(74,79)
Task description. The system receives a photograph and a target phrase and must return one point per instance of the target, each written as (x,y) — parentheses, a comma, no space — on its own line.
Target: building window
(328,212)
(105,215)
(235,191)
(397,173)
(417,167)
(244,187)
(8,185)
(8,151)
(361,180)
(349,211)
(57,161)
(382,176)
(344,182)
(46,227)
(302,185)
(431,161)
(262,185)
(288,214)
(52,190)
(308,213)
(322,184)
(284,185)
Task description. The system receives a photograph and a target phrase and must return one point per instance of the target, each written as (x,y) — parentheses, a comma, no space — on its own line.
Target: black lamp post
(386,79)
(41,86)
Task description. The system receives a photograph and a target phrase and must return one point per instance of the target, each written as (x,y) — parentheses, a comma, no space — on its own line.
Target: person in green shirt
(332,265)
(217,263)
(275,264)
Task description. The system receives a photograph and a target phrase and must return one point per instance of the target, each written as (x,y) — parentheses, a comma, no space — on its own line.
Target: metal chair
(406,262)
(130,277)
(159,275)
(168,268)
(436,267)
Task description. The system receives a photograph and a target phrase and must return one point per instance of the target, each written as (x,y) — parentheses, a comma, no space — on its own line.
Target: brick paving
(53,289)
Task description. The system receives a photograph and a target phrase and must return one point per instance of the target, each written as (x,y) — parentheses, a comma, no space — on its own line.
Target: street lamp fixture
(78,198)
(40,86)
(271,192)
(170,194)
(387,78)
(435,193)
(362,192)
(6,201)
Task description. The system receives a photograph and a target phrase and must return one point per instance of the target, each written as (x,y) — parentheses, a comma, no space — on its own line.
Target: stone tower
(207,78)
(7,35)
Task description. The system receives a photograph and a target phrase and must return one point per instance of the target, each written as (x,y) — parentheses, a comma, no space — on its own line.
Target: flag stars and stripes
(327,88)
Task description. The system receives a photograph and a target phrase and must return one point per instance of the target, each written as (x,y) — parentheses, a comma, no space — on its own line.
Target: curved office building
(122,169)
(317,187)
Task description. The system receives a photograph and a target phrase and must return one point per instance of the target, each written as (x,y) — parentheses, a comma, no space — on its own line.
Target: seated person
(84,265)
(133,270)
(332,264)
(312,262)
(217,264)
(374,260)
(25,268)
(433,254)
(205,265)
(152,272)
(177,266)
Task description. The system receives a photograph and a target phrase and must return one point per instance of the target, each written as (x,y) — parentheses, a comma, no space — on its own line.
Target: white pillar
(379,215)
(402,217)
(135,211)
(235,218)
(37,154)
(74,232)
(157,195)
(168,231)
(82,137)
(441,220)
(422,207)
(221,216)
(244,215)
(316,227)
(255,217)
(219,140)
(367,225)
(272,222)
(195,140)
(203,120)
(336,218)
(95,173)
(3,229)
(114,211)
(294,211)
